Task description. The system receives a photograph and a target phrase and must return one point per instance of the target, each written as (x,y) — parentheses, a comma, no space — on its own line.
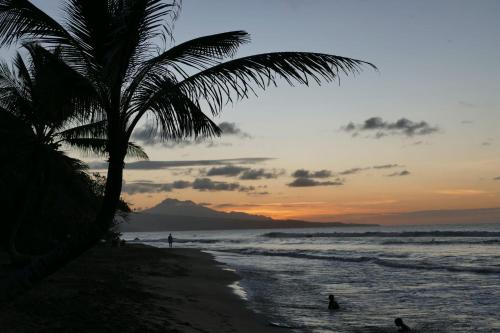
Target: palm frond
(23,71)
(135,151)
(137,28)
(89,23)
(199,53)
(99,147)
(61,91)
(21,20)
(175,116)
(10,86)
(93,130)
(237,79)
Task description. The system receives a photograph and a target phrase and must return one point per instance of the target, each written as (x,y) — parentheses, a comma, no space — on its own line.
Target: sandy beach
(135,288)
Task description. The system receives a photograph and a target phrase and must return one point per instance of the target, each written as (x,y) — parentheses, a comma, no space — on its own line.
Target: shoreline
(136,288)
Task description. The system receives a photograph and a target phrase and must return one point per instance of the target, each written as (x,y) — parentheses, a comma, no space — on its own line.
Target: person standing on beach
(170,240)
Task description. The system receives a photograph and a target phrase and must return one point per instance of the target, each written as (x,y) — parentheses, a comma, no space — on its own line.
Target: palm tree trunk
(112,193)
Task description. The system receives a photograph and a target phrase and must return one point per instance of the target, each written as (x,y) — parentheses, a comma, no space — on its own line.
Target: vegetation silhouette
(113,45)
(38,101)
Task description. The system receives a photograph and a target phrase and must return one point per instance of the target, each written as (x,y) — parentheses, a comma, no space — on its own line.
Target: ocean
(442,278)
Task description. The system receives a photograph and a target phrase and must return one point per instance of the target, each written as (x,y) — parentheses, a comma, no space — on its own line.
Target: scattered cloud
(232,129)
(382,128)
(158,165)
(206,184)
(254,174)
(227,170)
(400,174)
(181,184)
(244,173)
(309,182)
(200,184)
(146,187)
(302,173)
(147,136)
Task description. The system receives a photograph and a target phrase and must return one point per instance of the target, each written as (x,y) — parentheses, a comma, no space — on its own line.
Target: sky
(421,133)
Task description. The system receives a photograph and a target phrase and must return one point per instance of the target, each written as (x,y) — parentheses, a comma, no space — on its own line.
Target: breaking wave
(404,234)
(443,242)
(375,260)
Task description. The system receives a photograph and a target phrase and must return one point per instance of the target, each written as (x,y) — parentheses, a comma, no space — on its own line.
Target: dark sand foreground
(134,289)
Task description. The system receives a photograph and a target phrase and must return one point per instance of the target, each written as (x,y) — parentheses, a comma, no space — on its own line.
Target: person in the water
(402,326)
(333,305)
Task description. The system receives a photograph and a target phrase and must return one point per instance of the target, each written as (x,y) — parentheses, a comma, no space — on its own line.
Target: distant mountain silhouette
(189,208)
(176,215)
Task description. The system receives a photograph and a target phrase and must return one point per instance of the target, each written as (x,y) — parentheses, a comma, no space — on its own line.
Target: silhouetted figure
(333,305)
(402,326)
(170,240)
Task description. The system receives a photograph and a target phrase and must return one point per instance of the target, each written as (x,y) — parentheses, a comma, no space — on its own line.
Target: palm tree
(114,45)
(38,101)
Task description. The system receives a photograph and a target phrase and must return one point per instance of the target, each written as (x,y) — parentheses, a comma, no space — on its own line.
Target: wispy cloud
(461,192)
(400,174)
(386,166)
(467,104)
(303,173)
(352,171)
(158,165)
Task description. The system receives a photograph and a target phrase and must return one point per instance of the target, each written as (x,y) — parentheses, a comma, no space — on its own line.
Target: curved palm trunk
(114,180)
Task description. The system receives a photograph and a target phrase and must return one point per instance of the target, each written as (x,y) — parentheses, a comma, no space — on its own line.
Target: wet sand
(135,288)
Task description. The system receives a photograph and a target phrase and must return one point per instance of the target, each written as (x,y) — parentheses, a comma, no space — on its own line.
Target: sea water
(437,278)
